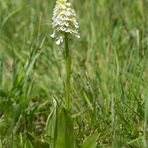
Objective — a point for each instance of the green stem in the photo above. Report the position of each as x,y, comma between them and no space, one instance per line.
1,76
68,68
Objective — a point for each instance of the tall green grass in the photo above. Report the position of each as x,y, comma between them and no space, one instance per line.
109,78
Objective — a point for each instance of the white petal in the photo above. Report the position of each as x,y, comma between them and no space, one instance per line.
78,36
58,42
52,35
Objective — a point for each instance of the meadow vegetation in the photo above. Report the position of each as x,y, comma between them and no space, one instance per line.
109,75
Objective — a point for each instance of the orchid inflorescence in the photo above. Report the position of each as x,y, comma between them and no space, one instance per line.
64,21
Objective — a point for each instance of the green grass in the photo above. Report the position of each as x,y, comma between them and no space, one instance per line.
109,76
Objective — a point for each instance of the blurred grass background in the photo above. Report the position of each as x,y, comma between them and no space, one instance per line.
109,71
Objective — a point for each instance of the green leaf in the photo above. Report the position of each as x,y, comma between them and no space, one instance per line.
59,128
51,125
65,133
28,144
1,144
90,142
